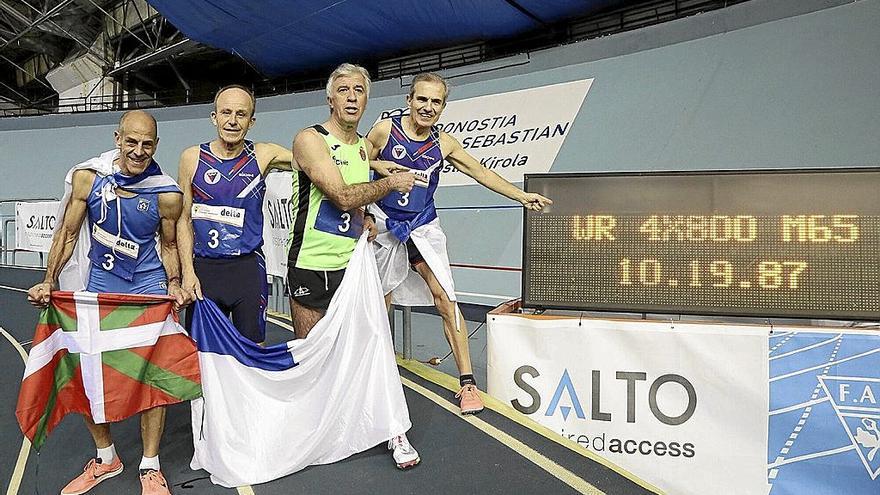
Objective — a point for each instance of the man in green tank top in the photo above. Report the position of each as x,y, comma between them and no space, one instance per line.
330,192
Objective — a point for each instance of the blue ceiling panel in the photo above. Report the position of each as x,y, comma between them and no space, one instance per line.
280,37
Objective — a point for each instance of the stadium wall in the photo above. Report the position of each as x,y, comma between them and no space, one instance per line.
765,83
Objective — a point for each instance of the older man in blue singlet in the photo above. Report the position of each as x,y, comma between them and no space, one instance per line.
127,201
221,226
409,230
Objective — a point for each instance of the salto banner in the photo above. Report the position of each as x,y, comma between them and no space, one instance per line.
682,408
696,409
277,218
34,223
512,133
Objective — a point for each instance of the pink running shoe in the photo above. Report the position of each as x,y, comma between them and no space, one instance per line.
92,474
469,399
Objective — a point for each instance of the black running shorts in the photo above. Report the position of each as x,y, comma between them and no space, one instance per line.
313,288
239,287
413,253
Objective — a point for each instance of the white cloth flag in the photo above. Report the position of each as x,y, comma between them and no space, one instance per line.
304,402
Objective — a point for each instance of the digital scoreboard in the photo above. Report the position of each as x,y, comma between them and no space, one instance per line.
769,243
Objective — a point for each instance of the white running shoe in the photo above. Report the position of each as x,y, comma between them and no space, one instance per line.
405,456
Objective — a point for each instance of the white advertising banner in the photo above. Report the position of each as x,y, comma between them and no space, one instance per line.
683,406
512,133
34,223
277,216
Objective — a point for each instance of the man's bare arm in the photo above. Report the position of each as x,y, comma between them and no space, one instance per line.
378,137
311,153
468,165
271,156
189,160
170,208
64,240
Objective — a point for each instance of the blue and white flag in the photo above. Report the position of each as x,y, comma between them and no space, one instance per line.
269,412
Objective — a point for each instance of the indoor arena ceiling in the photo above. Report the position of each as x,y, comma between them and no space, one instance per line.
180,51
283,36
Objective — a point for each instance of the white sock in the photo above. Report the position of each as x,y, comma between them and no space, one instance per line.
149,463
107,454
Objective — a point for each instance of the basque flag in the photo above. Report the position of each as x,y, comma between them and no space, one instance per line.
107,357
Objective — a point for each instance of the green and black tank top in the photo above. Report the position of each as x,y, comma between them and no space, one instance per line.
323,237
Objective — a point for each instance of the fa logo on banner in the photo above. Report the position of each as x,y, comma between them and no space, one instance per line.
565,385
855,401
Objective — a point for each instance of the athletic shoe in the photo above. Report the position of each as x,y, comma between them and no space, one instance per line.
92,474
405,456
153,483
469,399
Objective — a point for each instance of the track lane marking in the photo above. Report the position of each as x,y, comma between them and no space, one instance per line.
530,454
16,289
21,462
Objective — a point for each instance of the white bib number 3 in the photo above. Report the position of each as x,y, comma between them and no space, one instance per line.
346,222
215,238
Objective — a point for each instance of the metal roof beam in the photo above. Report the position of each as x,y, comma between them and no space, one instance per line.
121,24
14,13
37,22
160,53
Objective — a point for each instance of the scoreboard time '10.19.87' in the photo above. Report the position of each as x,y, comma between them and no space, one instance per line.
798,243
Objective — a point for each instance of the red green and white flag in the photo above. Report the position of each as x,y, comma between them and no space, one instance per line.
107,357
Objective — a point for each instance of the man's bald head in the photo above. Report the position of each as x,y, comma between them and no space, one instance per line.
136,138
139,119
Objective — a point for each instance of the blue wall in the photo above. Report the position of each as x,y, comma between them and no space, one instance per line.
766,83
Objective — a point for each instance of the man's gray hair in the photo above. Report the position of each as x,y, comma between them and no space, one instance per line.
431,77
347,69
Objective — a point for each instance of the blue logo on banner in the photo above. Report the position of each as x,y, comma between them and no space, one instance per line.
824,419
565,385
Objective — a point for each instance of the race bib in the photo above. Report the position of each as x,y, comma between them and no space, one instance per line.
118,256
334,221
413,201
220,214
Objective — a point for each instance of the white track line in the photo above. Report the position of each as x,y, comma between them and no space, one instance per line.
549,466
490,296
812,456
13,288
788,336
786,449
807,348
18,471
799,406
795,373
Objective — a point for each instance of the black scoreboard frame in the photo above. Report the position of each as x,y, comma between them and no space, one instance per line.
623,308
